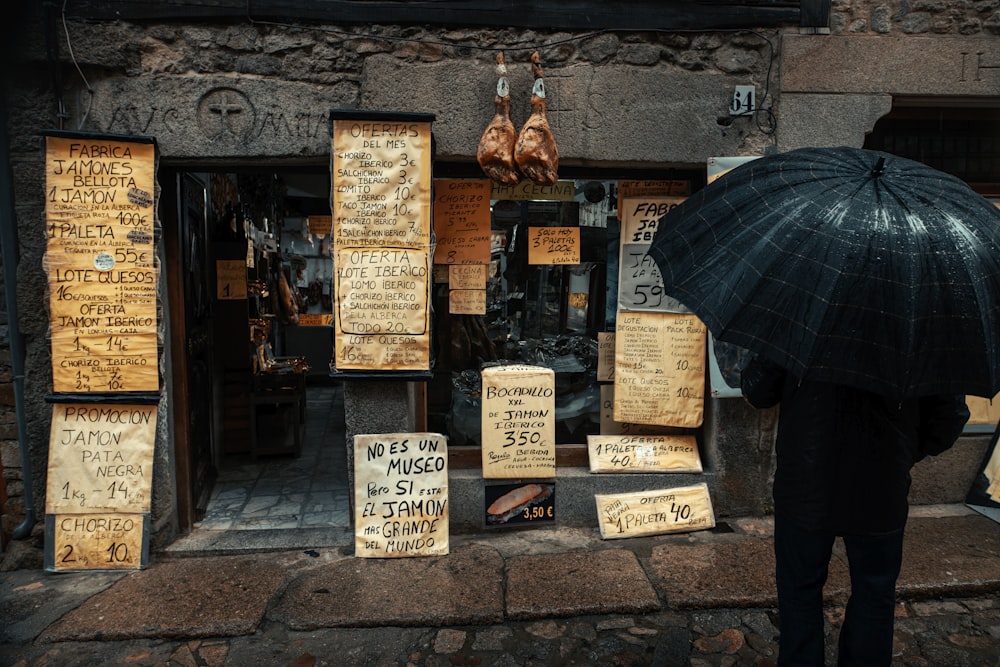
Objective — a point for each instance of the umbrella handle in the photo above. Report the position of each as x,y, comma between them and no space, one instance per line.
879,167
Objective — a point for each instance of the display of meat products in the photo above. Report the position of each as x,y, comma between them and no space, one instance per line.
496,147
289,307
536,154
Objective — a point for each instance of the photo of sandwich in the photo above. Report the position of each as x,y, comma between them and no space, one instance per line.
509,507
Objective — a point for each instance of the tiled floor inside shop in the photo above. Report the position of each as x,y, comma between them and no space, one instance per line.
288,492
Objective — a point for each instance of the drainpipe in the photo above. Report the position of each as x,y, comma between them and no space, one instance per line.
9,249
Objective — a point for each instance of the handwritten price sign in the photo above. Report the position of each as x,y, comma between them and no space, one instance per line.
643,453
518,422
462,221
100,257
655,512
100,458
640,286
553,245
96,542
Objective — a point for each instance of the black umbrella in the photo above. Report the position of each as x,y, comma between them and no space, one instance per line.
844,265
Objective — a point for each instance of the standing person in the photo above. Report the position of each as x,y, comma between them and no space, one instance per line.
843,469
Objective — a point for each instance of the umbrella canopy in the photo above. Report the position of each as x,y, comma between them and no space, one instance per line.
844,265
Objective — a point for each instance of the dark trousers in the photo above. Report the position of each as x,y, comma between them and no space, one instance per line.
802,559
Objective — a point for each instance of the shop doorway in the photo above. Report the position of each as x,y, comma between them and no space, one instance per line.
258,424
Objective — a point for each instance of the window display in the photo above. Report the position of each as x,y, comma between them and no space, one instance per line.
545,292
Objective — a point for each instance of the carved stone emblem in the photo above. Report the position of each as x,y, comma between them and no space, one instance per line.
226,114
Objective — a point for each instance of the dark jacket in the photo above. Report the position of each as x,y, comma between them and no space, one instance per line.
844,454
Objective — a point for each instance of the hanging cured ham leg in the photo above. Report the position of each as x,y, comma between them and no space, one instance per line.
536,154
496,147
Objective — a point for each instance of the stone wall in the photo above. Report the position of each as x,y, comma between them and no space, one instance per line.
916,17
12,499
644,100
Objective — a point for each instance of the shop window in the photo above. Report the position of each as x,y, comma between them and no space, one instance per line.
540,314
543,315
963,141
546,315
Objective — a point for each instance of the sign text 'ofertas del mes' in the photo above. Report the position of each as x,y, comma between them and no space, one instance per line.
400,495
100,216
381,243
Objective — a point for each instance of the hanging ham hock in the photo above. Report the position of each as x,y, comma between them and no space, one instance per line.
496,147
536,154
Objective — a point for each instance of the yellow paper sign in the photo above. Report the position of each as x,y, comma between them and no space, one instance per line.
462,221
660,369
652,189
605,356
382,291
644,513
381,240
983,410
528,191
97,542
400,495
640,286
100,258
467,302
231,279
320,225
381,313
315,319
518,422
992,472
102,362
611,427
644,453
381,183
100,458
467,276
553,245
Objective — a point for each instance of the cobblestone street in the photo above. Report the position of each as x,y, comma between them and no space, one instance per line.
938,633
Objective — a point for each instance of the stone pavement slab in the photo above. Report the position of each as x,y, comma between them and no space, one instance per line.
950,556
607,581
701,575
461,588
30,600
189,598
